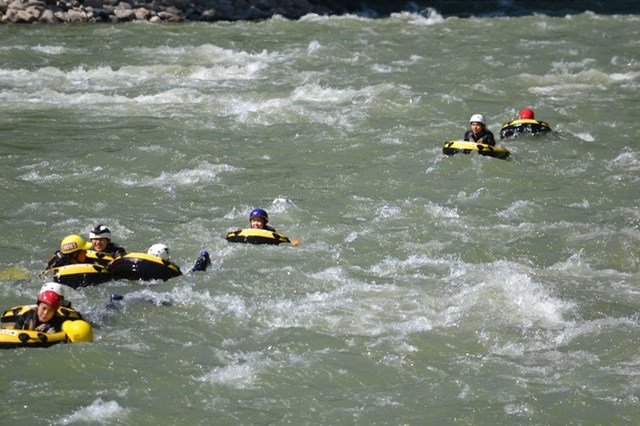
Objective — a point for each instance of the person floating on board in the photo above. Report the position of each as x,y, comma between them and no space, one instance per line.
43,316
10,315
259,232
161,251
73,249
478,132
525,125
100,237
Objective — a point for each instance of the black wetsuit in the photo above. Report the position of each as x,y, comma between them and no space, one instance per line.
114,250
486,137
60,259
107,255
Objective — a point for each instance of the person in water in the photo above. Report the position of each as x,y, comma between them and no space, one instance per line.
100,237
43,316
10,315
161,251
73,249
478,131
526,124
258,219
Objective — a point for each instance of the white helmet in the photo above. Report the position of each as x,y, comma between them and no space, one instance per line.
54,287
477,118
159,250
100,231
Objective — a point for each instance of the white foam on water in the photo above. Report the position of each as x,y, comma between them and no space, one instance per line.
503,293
202,173
247,370
313,47
419,19
98,412
627,160
517,209
205,54
238,375
314,92
330,20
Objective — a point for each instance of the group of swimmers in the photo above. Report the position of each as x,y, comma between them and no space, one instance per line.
525,124
45,315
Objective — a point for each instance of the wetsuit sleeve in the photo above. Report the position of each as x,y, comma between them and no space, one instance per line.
489,139
115,250
58,259
23,322
467,135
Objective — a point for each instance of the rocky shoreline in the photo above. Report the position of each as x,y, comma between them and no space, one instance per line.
116,11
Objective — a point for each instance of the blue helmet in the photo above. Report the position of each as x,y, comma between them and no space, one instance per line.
259,213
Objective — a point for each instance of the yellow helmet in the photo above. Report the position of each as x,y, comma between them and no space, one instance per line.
73,243
78,331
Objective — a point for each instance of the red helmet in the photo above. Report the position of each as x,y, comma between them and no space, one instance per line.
51,298
526,114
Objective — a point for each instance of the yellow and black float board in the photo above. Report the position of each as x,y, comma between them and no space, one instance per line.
10,338
81,275
99,258
142,266
524,127
256,236
466,147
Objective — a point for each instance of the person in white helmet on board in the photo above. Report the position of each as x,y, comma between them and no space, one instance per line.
478,131
100,237
161,251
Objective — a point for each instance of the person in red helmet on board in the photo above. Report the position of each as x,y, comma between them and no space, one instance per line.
44,315
526,124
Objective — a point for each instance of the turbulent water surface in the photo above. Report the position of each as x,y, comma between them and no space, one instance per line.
426,289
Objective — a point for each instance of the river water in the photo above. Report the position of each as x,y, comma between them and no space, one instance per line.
426,289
